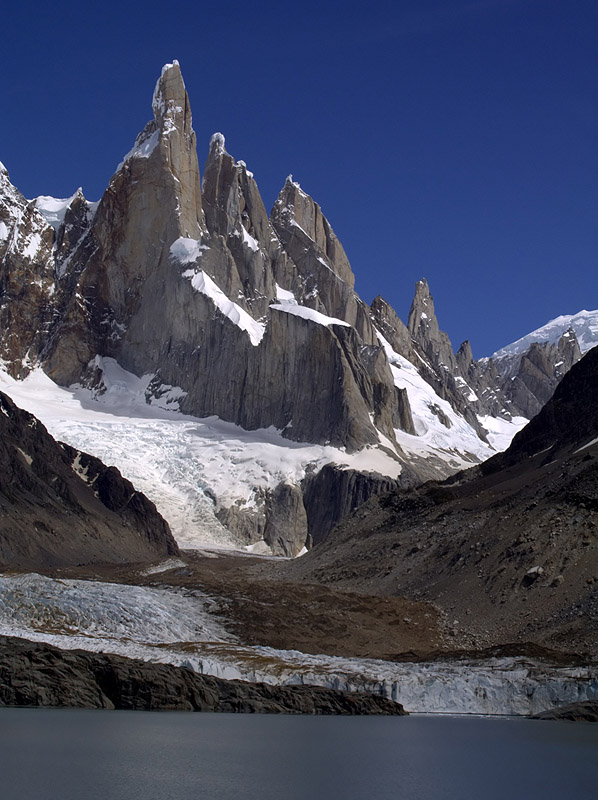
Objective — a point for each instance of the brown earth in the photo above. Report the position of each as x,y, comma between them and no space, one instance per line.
262,609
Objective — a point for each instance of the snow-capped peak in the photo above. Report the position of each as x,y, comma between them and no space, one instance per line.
53,209
584,323
218,142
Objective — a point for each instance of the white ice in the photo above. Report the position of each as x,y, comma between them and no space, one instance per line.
309,314
53,209
186,250
459,445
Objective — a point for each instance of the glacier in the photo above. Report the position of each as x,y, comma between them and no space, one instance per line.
183,628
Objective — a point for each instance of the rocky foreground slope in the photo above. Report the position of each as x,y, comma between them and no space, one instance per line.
508,551
37,674
60,506
225,310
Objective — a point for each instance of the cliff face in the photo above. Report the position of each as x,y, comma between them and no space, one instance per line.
191,296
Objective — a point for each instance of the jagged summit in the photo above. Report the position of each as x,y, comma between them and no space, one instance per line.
296,216
217,144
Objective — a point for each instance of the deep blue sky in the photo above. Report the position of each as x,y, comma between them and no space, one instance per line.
451,139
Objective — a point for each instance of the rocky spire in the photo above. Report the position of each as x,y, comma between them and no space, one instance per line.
423,327
318,272
464,358
26,278
392,328
296,216
178,146
122,267
238,223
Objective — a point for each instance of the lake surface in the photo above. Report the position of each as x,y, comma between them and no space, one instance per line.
48,754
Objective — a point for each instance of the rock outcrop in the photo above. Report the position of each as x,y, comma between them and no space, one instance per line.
37,674
572,712
60,507
507,385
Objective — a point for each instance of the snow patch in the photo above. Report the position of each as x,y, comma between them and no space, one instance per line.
32,246
4,232
243,166
251,243
584,324
218,142
187,250
143,148
53,209
202,282
589,444
459,445
309,313
285,297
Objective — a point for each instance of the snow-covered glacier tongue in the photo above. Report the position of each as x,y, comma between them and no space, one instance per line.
181,627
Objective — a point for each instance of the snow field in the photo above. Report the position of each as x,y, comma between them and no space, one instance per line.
188,467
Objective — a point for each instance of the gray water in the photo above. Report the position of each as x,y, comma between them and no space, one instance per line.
93,755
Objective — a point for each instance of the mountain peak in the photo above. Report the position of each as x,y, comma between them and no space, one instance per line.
297,216
217,144
170,95
422,315
584,324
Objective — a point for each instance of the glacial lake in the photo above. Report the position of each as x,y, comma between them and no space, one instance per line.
48,754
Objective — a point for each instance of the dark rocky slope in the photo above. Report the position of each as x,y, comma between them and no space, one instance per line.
37,674
59,506
508,551
573,712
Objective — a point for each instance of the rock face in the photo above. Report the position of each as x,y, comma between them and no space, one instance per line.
61,507
36,674
568,421
332,494
529,379
509,384
168,290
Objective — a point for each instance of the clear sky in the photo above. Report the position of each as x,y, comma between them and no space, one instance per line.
451,139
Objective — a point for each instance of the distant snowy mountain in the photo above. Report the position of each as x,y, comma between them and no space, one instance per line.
584,324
